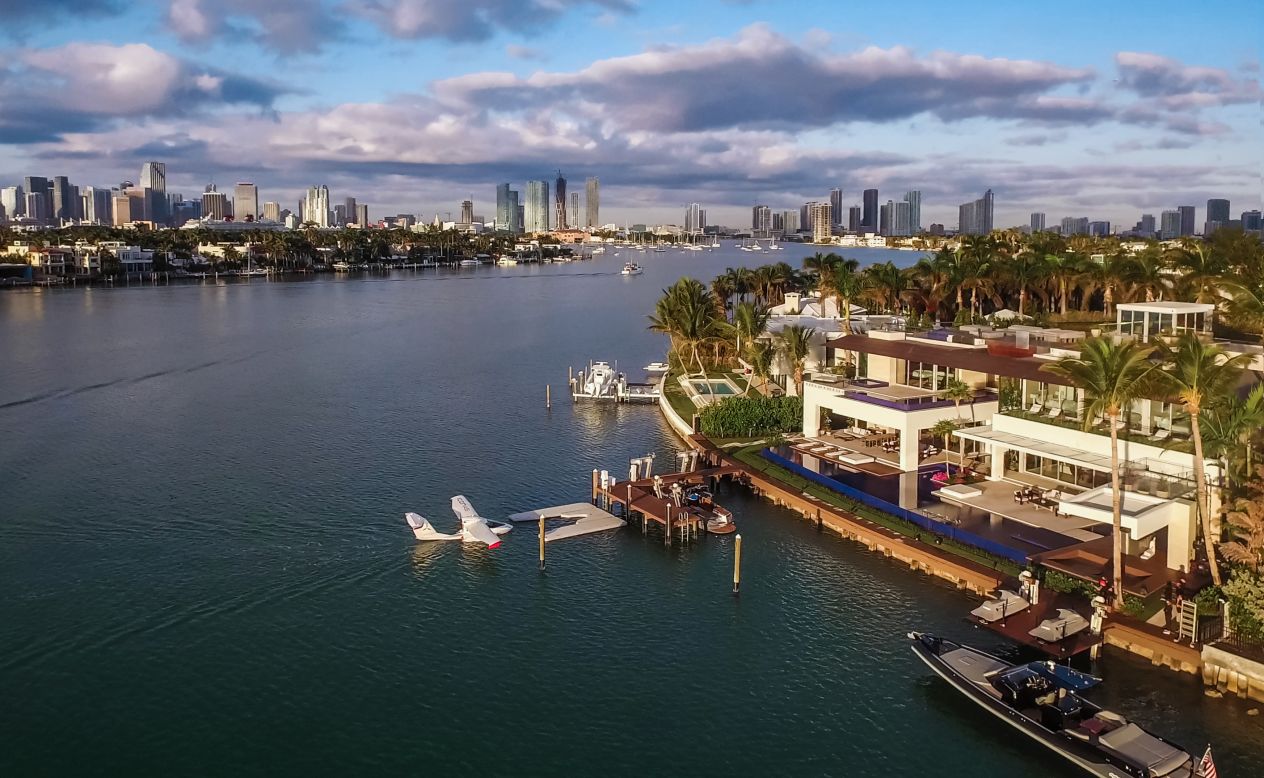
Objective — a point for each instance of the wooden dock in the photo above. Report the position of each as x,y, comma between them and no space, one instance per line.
1018,626
637,500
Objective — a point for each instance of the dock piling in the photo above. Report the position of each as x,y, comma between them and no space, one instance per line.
541,542
548,396
737,564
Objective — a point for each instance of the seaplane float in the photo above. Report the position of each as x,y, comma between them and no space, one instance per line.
474,528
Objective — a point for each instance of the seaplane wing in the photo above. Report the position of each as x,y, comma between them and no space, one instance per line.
475,530
422,530
463,509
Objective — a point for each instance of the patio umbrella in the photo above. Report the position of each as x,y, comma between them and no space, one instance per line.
1008,315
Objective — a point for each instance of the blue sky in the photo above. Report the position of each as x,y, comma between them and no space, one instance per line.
1104,110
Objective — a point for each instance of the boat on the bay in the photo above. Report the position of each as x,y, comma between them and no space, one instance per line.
699,501
632,269
598,382
469,262
1041,700
657,367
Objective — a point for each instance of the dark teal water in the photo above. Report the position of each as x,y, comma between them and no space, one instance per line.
205,570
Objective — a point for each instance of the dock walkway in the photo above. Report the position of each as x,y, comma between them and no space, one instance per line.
638,497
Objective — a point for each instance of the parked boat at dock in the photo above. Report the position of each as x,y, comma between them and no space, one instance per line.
1041,700
632,269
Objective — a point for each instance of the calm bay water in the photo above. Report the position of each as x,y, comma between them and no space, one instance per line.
205,568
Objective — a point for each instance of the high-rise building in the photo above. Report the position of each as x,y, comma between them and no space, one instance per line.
214,204
536,208
1075,225
272,211
315,206
184,211
836,206
37,206
522,215
1037,222
805,216
1251,221
790,223
1146,226
467,212
914,200
39,187
695,218
761,221
13,198
975,218
854,218
97,205
869,217
1217,215
559,195
503,217
352,210
778,223
340,215
1187,219
245,202
885,217
65,199
1099,229
153,175
1169,225
362,214
122,208
574,211
592,203
822,223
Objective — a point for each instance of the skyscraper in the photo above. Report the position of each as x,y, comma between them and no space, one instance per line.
467,212
1037,222
214,204
836,206
503,218
869,217
315,206
362,214
1075,225
37,186
695,218
13,199
574,211
914,200
592,203
822,223
559,194
790,223
885,217
1099,229
353,211
1251,221
65,199
153,175
536,208
245,202
975,218
761,221
854,218
1217,215
272,211
1146,225
1169,225
96,205
1187,219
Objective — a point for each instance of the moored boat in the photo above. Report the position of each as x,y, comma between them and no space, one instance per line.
1041,700
631,269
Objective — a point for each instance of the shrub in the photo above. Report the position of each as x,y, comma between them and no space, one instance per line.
1246,604
1061,582
739,417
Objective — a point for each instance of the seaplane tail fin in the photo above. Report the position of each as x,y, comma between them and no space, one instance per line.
463,509
416,521
422,530
477,531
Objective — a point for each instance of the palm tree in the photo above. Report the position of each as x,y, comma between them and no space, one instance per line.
1146,273
844,284
1200,375
761,357
1229,432
794,342
1245,307
930,284
978,253
750,321
1026,270
685,314
944,428
1111,375
1199,269
1063,269
886,285
958,391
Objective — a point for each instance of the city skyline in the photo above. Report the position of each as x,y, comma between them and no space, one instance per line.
1079,122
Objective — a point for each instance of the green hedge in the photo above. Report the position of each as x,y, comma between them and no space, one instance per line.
736,417
1068,584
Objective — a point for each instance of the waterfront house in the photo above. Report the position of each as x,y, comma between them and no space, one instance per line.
1024,428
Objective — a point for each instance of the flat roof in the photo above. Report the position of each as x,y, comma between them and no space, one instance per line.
977,360
1168,307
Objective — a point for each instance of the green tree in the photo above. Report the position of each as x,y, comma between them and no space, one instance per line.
944,429
794,343
958,391
1110,375
1200,375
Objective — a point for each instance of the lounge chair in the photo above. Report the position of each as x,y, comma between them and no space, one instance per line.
1055,413
1035,408
1161,435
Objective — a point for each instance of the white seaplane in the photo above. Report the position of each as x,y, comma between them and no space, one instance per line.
474,528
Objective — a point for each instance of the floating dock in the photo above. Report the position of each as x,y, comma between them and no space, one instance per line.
580,518
633,498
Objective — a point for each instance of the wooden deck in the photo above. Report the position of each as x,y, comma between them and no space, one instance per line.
1017,627
637,498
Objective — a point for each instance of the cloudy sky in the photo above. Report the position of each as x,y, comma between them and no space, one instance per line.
1100,109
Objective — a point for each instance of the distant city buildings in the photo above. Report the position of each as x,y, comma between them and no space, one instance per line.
1187,219
836,206
559,193
695,218
790,223
1037,222
855,217
214,204
822,222
314,208
1074,225
1217,215
536,208
592,203
761,221
975,218
869,215
245,202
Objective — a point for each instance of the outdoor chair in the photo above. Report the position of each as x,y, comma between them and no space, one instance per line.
1055,413
1161,434
1036,408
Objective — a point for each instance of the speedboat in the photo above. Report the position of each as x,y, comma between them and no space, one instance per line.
631,269
1005,604
657,367
699,501
1060,627
1041,700
469,262
474,528
599,382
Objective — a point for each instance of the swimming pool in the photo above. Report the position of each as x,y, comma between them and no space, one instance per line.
718,387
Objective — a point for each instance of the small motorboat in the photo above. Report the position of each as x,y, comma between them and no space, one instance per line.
1042,700
631,269
657,367
1060,627
721,522
469,262
699,501
1005,604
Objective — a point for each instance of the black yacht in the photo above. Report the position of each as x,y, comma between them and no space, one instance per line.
1040,699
